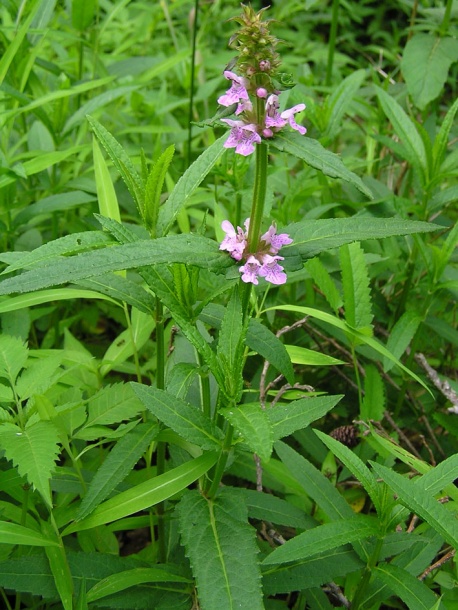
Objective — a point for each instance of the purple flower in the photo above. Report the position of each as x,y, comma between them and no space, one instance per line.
271,270
237,92
242,137
250,270
279,120
274,241
235,241
289,116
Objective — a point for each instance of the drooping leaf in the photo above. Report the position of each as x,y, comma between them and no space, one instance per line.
318,157
146,494
33,451
356,291
253,424
117,465
324,538
222,550
186,420
425,64
263,341
192,249
296,415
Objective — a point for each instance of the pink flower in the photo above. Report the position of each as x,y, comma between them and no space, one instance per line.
237,92
271,270
275,241
242,137
250,270
235,241
277,120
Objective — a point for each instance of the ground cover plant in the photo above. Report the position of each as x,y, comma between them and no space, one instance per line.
228,285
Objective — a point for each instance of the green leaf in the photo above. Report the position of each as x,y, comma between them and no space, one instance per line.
123,290
302,355
318,157
440,477
33,451
356,291
106,194
13,356
121,161
59,567
253,424
414,593
180,378
194,249
187,184
222,550
405,130
373,405
287,418
10,533
131,578
324,538
314,482
314,236
411,494
266,507
400,337
153,189
146,494
53,203
324,282
356,466
312,572
339,101
83,14
230,346
440,143
117,465
112,404
425,64
263,341
187,421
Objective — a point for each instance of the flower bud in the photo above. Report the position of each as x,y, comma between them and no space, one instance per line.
261,92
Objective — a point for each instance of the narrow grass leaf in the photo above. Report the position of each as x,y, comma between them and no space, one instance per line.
302,355
146,494
340,100
263,341
106,194
356,466
423,504
10,533
117,465
296,415
222,549
400,337
413,592
318,157
187,421
131,578
323,538
253,424
60,569
153,189
325,283
373,404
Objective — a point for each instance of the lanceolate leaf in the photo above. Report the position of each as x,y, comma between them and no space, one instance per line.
260,339
222,549
153,189
287,418
339,101
404,585
253,424
311,237
324,538
187,184
318,157
192,249
10,533
117,465
423,504
231,345
355,281
146,494
186,420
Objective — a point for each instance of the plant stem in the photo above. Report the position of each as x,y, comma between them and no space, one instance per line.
446,20
259,196
160,452
222,461
332,40
361,590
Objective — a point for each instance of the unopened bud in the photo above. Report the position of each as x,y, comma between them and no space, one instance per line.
267,133
264,65
261,92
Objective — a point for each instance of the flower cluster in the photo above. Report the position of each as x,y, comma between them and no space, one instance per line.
254,94
264,262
